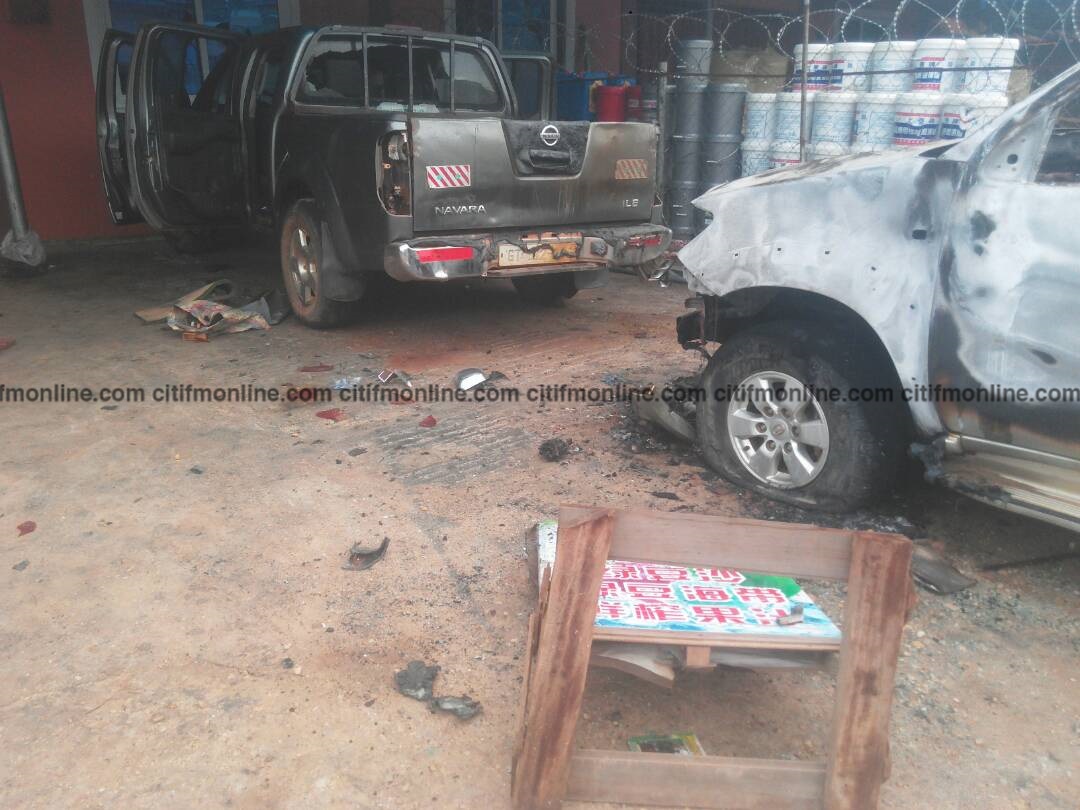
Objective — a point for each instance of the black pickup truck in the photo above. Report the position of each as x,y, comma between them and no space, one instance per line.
371,150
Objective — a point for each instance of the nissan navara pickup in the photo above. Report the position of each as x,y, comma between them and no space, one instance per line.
371,150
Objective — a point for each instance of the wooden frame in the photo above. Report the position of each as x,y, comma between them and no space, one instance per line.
546,768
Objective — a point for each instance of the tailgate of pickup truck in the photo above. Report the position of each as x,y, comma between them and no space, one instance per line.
485,173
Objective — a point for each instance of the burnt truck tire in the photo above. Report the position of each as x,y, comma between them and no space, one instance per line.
546,290
302,269
826,453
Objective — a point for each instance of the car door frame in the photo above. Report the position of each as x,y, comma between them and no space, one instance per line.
112,131
1004,152
143,142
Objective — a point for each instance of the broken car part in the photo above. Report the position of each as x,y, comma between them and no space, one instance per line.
463,707
417,680
361,558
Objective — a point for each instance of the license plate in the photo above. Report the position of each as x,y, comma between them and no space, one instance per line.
560,248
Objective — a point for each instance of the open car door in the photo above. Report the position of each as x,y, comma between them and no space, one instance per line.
112,84
532,77
184,147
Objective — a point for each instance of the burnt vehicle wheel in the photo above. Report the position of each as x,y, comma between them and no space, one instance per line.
546,289
762,428
301,267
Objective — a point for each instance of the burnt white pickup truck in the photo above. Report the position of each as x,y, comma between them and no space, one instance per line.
371,150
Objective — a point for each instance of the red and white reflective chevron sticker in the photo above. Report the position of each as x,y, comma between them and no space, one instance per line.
458,175
631,169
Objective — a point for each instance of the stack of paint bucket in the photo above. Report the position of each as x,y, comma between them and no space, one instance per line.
982,93
759,127
692,82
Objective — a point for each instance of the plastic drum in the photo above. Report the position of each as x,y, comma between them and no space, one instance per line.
834,117
849,59
918,119
784,153
891,56
759,119
788,115
755,157
963,113
819,66
933,63
875,122
987,53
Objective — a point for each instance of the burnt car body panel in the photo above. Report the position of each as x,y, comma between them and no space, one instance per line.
255,137
962,259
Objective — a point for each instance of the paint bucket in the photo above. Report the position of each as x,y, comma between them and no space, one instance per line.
686,158
690,107
755,157
721,160
783,154
933,63
834,117
963,113
759,121
788,111
875,122
849,59
918,119
693,60
682,209
826,149
987,53
819,67
888,56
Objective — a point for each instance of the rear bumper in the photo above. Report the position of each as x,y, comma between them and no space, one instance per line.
474,255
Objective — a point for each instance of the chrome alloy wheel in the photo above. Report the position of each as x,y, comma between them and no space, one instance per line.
303,265
778,430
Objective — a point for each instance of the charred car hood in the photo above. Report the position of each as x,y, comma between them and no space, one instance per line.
864,230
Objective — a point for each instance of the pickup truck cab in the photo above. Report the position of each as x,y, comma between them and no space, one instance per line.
370,150
911,300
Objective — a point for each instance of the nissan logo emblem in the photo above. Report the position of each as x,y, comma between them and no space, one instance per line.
550,135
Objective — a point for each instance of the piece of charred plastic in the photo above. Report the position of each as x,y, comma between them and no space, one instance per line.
361,558
463,707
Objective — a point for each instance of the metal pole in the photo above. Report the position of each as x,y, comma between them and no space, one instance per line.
9,172
804,125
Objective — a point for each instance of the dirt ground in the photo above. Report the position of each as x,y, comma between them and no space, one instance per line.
178,630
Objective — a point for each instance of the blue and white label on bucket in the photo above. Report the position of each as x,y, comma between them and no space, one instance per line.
915,129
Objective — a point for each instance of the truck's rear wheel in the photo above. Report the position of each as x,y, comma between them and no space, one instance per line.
301,267
547,289
766,431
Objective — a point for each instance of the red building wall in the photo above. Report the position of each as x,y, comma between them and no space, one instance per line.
49,92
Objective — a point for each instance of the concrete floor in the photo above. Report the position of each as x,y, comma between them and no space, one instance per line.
180,638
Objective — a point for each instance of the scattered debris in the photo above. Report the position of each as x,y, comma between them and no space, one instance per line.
347,383
668,496
108,407
395,375
315,368
463,707
657,412
469,378
796,616
554,449
195,337
935,574
358,451
684,744
218,291
361,558
287,663
333,414
6,343
417,680
428,421
20,566
26,527
210,317
1047,558
196,470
